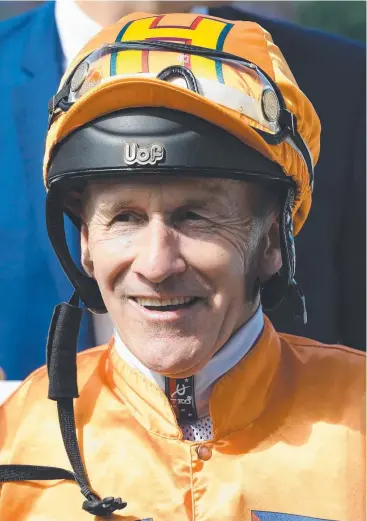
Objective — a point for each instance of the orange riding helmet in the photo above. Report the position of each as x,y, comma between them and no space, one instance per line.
228,74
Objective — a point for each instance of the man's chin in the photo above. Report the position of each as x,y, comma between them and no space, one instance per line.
181,368
168,351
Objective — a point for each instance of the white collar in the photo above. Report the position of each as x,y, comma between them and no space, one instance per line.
240,6
227,357
75,28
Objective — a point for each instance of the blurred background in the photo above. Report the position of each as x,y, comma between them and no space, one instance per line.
346,18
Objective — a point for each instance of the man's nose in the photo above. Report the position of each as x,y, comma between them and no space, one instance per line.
159,254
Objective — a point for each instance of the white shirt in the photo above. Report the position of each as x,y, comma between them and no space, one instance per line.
75,28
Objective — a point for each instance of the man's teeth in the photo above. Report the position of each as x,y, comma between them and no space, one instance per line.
154,302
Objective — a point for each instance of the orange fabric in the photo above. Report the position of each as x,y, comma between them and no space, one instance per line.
245,39
288,437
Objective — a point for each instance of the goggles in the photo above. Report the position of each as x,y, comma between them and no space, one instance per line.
220,77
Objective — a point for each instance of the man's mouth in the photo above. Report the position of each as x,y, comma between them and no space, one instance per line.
172,304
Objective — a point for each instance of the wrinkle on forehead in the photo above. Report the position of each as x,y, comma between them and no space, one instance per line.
151,181
148,191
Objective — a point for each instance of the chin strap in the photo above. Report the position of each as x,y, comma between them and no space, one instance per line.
61,366
297,298
282,286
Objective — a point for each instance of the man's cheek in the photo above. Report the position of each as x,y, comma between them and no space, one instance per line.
106,265
107,253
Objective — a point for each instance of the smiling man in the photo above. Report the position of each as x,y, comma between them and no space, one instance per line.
188,170
168,255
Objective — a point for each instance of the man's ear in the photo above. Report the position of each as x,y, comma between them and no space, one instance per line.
86,257
270,256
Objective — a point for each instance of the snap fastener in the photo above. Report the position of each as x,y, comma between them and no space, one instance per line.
79,76
204,452
270,105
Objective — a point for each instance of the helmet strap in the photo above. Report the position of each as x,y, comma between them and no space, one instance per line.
62,372
282,285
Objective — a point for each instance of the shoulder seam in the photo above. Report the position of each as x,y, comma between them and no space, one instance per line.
345,349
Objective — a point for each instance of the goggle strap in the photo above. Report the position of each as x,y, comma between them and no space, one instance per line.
56,102
290,130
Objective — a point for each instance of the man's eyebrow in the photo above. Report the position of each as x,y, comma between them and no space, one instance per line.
108,208
113,207
199,203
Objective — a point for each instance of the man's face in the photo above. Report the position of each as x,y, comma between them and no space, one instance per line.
176,261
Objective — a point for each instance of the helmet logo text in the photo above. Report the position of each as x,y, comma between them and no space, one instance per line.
141,155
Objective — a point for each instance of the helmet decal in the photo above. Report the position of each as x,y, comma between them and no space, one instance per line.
202,31
134,154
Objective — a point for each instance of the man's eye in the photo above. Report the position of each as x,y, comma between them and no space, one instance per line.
128,217
192,216
191,221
